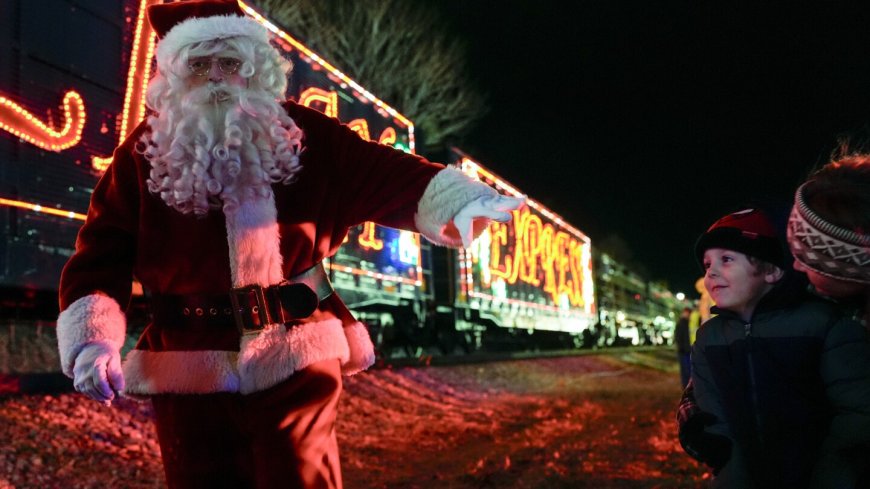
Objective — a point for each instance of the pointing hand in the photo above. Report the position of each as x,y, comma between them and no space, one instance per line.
495,208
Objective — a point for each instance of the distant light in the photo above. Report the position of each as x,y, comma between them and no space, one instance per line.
681,296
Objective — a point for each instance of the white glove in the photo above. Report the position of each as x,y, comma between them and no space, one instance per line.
97,372
492,208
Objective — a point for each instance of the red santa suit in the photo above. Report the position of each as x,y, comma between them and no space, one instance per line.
267,238
129,232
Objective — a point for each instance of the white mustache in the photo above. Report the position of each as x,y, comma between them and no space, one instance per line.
212,93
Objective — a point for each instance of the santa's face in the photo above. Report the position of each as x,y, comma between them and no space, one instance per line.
219,70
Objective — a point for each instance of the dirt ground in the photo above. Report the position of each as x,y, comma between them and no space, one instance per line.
602,421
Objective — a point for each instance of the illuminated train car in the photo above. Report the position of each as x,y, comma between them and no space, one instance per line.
72,82
61,96
525,284
73,87
664,310
632,310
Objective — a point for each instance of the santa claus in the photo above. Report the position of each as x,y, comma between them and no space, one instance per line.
223,204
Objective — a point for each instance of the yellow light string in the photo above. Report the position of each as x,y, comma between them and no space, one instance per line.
38,208
381,276
21,123
138,75
335,71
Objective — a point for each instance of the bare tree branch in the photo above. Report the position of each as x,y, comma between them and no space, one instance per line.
396,49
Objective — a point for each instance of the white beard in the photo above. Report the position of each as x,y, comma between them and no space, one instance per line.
215,146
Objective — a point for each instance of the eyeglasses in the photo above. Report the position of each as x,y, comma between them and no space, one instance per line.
201,66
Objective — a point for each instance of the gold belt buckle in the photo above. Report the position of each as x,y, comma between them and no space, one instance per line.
258,306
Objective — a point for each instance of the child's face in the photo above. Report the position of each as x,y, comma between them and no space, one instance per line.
830,287
735,283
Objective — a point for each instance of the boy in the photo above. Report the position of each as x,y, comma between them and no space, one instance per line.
785,378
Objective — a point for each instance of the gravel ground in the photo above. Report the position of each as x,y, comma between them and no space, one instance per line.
602,421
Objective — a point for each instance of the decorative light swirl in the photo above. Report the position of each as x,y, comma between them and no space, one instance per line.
21,123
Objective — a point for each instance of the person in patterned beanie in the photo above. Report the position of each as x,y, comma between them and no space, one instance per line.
829,231
829,236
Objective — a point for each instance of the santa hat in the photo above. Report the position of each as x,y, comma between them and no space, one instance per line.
749,231
179,24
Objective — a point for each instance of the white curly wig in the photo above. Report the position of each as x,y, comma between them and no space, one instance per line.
212,146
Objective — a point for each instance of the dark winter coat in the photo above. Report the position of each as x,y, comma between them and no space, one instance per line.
790,389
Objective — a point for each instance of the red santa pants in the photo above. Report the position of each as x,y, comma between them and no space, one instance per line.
282,437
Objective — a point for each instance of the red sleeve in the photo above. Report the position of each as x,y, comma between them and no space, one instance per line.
373,182
106,244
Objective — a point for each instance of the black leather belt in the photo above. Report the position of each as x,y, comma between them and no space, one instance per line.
248,308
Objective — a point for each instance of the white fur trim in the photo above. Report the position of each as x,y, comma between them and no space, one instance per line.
91,318
200,29
254,242
187,372
362,351
447,193
265,360
275,354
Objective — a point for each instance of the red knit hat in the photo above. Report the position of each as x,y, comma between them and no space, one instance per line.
749,231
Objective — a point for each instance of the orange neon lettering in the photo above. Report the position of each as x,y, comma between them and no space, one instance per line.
513,262
532,242
576,266
367,238
550,260
562,257
21,123
535,245
388,137
498,237
518,248
361,127
314,95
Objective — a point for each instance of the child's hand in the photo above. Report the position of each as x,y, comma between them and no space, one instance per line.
709,448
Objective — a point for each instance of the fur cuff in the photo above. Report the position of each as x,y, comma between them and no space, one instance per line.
94,317
447,193
362,351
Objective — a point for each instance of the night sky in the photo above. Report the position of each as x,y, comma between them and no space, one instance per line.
649,120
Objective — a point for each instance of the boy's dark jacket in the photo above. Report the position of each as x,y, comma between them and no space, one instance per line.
790,389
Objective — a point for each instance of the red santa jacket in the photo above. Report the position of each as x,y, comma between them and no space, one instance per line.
130,232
